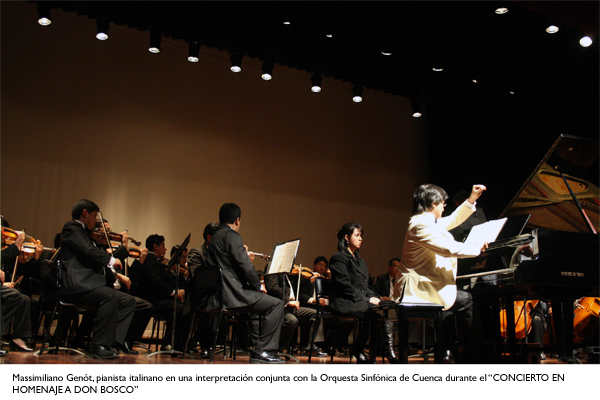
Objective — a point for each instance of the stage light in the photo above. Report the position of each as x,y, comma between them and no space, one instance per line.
236,62
155,39
585,41
416,109
357,93
386,54
552,29
287,23
44,14
102,29
329,35
316,82
501,10
438,69
267,71
194,52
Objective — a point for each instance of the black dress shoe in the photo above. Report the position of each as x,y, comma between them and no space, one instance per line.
264,357
448,358
204,353
105,352
361,358
316,352
15,347
126,348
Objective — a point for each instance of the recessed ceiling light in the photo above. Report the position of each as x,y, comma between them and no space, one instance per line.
474,80
329,35
438,69
511,92
417,115
585,41
501,10
287,23
552,29
386,54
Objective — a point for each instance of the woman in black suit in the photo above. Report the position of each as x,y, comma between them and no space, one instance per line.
350,292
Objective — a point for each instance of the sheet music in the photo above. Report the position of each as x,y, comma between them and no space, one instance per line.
283,257
486,232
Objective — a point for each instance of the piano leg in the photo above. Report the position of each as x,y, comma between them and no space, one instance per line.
510,329
562,313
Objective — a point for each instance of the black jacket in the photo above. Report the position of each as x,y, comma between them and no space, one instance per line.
350,292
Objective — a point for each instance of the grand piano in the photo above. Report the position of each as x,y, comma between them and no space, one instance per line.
556,257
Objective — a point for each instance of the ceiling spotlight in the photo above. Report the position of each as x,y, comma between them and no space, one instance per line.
511,92
102,29
585,41
329,35
357,93
474,80
438,69
44,14
236,62
552,29
287,23
267,71
155,39
316,82
501,10
194,52
386,54
416,109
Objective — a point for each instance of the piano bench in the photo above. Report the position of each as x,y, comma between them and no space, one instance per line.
419,312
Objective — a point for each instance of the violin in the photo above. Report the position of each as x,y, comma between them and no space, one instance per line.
9,236
585,320
306,272
520,309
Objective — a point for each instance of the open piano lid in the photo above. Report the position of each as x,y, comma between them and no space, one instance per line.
545,195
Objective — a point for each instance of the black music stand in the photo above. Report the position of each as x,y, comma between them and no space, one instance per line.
173,261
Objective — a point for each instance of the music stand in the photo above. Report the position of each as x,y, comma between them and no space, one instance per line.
175,259
282,263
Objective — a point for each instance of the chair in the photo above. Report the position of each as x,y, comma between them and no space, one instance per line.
419,312
156,321
63,309
323,315
211,282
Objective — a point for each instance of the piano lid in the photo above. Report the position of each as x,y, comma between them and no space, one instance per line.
545,195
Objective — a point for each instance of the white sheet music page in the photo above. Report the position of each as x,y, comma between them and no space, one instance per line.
283,257
486,232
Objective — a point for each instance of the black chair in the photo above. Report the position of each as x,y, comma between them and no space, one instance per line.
419,312
209,282
323,315
64,311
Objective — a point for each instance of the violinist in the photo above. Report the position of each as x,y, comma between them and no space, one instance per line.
283,287
158,286
14,305
119,281
84,281
196,261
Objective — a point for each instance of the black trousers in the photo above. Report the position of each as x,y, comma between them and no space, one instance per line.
461,313
182,322
114,314
301,316
15,305
272,310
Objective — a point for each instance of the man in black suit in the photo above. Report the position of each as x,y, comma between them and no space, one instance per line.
158,286
84,282
384,285
241,286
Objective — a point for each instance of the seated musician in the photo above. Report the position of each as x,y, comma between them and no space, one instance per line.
159,286
285,288
350,293
196,261
241,290
14,305
84,281
428,265
118,281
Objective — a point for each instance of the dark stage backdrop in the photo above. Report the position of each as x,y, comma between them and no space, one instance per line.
160,143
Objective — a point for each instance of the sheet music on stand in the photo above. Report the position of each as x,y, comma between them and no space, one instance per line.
284,254
486,232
